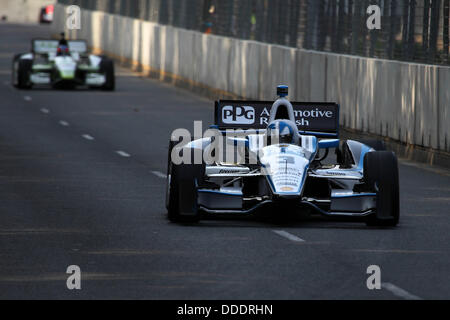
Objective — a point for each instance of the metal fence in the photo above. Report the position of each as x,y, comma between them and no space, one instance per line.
411,30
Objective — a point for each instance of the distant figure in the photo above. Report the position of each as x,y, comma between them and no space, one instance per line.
208,29
4,18
63,40
63,46
208,24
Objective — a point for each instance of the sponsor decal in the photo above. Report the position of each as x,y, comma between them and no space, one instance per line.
229,171
332,173
256,115
303,118
238,115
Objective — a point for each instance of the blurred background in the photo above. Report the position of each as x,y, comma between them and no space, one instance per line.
412,30
26,11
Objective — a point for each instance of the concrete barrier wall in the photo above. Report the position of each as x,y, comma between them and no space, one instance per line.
404,101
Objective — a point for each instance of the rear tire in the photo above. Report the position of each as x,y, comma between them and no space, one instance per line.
22,72
381,175
182,183
107,68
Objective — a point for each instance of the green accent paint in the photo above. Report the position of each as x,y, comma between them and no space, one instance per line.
67,74
88,68
42,67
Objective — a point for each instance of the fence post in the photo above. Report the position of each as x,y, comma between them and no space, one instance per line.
294,21
446,16
356,27
426,25
434,29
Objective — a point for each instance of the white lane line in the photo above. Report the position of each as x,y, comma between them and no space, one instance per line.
159,174
288,235
399,292
64,123
44,110
88,137
27,98
123,154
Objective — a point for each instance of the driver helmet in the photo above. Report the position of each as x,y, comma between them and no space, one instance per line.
282,132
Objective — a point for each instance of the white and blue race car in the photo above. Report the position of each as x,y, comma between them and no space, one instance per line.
279,165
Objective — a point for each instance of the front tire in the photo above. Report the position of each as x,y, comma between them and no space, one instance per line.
381,175
21,73
181,197
14,71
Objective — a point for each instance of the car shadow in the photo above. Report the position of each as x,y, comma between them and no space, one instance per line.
302,221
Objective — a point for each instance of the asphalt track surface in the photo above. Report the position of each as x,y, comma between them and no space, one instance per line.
81,183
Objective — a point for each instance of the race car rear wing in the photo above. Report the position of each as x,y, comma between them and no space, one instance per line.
312,118
45,46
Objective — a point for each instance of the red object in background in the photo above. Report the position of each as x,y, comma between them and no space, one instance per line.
46,14
49,9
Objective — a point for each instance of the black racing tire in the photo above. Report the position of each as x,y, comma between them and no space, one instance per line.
169,172
381,175
22,72
14,73
181,197
107,68
377,145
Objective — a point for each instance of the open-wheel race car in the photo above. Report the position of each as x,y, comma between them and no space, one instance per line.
62,64
281,163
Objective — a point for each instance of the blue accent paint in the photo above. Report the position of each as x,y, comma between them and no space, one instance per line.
315,207
269,178
355,195
220,192
282,91
319,134
326,144
365,149
305,133
214,126
305,172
